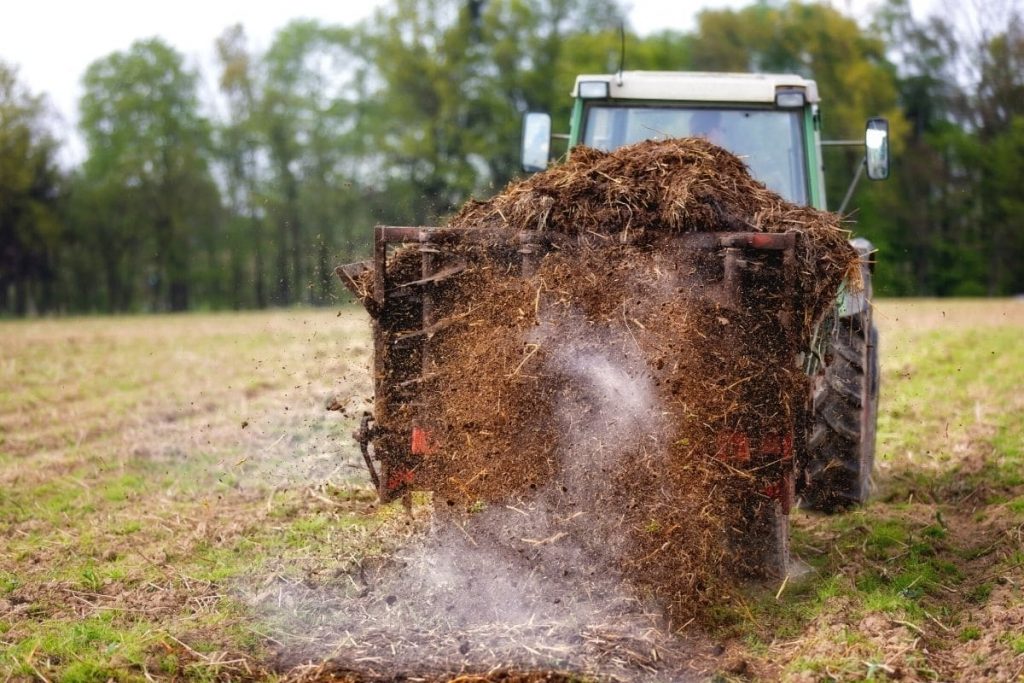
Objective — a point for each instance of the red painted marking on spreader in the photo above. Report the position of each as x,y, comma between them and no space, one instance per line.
421,442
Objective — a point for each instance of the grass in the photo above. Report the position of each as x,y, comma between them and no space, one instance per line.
918,578
133,501
156,473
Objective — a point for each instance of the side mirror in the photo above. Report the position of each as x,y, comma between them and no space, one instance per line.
536,144
876,143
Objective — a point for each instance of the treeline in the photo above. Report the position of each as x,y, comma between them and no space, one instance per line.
244,188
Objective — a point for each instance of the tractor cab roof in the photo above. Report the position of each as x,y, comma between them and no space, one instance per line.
697,86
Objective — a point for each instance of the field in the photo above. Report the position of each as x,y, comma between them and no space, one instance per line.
173,490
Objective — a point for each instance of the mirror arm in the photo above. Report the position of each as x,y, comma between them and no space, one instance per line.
842,143
853,185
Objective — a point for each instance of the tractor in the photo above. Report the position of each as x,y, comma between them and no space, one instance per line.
773,123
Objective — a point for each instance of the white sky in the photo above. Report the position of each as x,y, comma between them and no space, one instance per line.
53,41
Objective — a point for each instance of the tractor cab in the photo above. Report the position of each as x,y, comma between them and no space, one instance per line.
771,121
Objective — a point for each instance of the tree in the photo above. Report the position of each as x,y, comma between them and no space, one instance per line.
537,49
924,199
999,107
854,78
238,150
401,118
30,184
430,102
147,146
310,111
962,90
448,83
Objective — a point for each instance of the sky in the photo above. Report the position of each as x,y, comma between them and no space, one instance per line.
52,42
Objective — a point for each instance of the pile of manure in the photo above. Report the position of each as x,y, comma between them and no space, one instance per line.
640,426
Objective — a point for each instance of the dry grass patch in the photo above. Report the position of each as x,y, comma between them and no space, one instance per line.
913,586
149,465
144,531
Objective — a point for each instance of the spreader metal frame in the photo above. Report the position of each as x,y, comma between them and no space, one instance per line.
403,315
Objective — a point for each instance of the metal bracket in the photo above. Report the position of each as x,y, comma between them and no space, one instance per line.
363,436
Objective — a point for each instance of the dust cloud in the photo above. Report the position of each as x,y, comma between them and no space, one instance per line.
529,584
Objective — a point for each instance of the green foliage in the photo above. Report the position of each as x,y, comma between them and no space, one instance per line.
948,215
30,229
148,206
307,113
818,41
452,80
8,582
401,118
980,593
95,648
969,633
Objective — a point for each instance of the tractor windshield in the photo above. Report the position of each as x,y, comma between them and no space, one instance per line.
770,141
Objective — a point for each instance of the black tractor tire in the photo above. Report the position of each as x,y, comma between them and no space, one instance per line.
841,443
